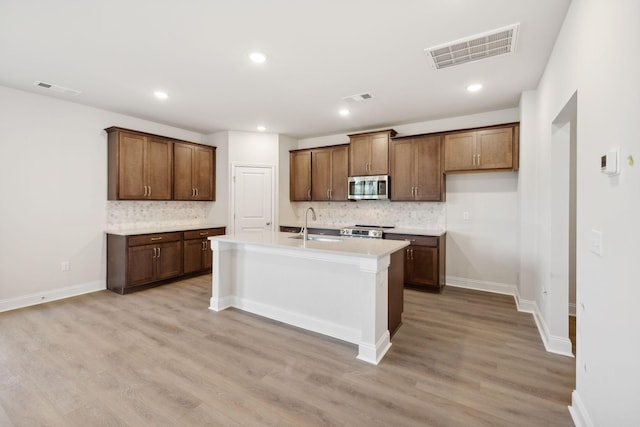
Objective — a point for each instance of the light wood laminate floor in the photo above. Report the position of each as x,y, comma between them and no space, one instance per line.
161,358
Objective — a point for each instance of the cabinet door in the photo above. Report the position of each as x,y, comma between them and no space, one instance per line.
402,169
339,173
169,260
300,176
320,174
207,256
192,255
159,168
131,160
494,148
359,155
183,186
429,178
459,151
379,162
140,265
204,173
423,266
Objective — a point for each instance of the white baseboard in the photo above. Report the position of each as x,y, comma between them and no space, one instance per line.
552,343
479,285
579,412
48,296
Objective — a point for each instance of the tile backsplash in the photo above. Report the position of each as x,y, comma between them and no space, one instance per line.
141,214
424,215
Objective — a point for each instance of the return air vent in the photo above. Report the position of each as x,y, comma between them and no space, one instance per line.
474,48
359,97
57,88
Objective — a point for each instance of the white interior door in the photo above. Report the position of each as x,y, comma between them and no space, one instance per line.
253,198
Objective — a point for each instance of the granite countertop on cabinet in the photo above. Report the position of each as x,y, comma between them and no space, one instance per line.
162,229
416,231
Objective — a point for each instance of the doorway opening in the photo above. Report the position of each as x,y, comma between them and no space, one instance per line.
563,219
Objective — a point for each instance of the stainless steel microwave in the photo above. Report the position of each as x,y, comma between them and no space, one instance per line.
369,187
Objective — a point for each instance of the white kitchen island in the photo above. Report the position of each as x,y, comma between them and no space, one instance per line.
337,288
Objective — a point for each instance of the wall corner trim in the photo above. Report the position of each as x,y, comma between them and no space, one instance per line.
579,412
53,295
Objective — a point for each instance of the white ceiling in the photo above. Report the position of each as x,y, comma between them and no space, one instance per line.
118,52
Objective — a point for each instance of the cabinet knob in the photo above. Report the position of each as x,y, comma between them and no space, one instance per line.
269,223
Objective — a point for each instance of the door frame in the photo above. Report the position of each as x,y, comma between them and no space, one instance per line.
232,192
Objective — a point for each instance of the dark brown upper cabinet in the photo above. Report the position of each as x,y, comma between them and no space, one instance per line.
300,175
144,166
486,149
329,173
416,169
194,172
369,153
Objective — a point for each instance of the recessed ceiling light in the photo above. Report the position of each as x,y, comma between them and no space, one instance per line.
261,128
258,57
344,112
474,87
160,95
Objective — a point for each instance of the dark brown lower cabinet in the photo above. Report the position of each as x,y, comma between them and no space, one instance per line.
197,251
424,261
140,261
395,281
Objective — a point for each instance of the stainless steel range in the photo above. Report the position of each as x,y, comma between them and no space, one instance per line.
368,231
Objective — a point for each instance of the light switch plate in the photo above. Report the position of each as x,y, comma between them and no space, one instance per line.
595,243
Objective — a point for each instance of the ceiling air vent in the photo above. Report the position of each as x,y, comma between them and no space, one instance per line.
57,88
358,98
481,46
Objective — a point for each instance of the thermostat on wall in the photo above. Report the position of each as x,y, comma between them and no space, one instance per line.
609,163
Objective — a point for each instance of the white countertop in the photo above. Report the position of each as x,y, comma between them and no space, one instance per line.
162,229
344,245
400,230
416,231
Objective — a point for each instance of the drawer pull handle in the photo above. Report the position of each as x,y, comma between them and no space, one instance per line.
204,233
410,240
153,239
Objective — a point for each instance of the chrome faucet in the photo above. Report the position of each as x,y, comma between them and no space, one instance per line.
305,232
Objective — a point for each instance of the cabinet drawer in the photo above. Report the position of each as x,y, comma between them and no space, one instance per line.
199,234
430,241
147,239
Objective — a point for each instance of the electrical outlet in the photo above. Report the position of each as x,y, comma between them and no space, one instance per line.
465,216
65,266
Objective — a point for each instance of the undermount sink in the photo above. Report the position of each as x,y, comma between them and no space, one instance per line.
317,238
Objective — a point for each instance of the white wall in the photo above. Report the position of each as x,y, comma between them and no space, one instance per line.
53,184
595,55
482,251
287,213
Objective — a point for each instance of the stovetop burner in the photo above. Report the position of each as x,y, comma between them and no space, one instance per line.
359,230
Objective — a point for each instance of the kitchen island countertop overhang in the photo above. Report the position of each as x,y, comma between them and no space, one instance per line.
337,288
